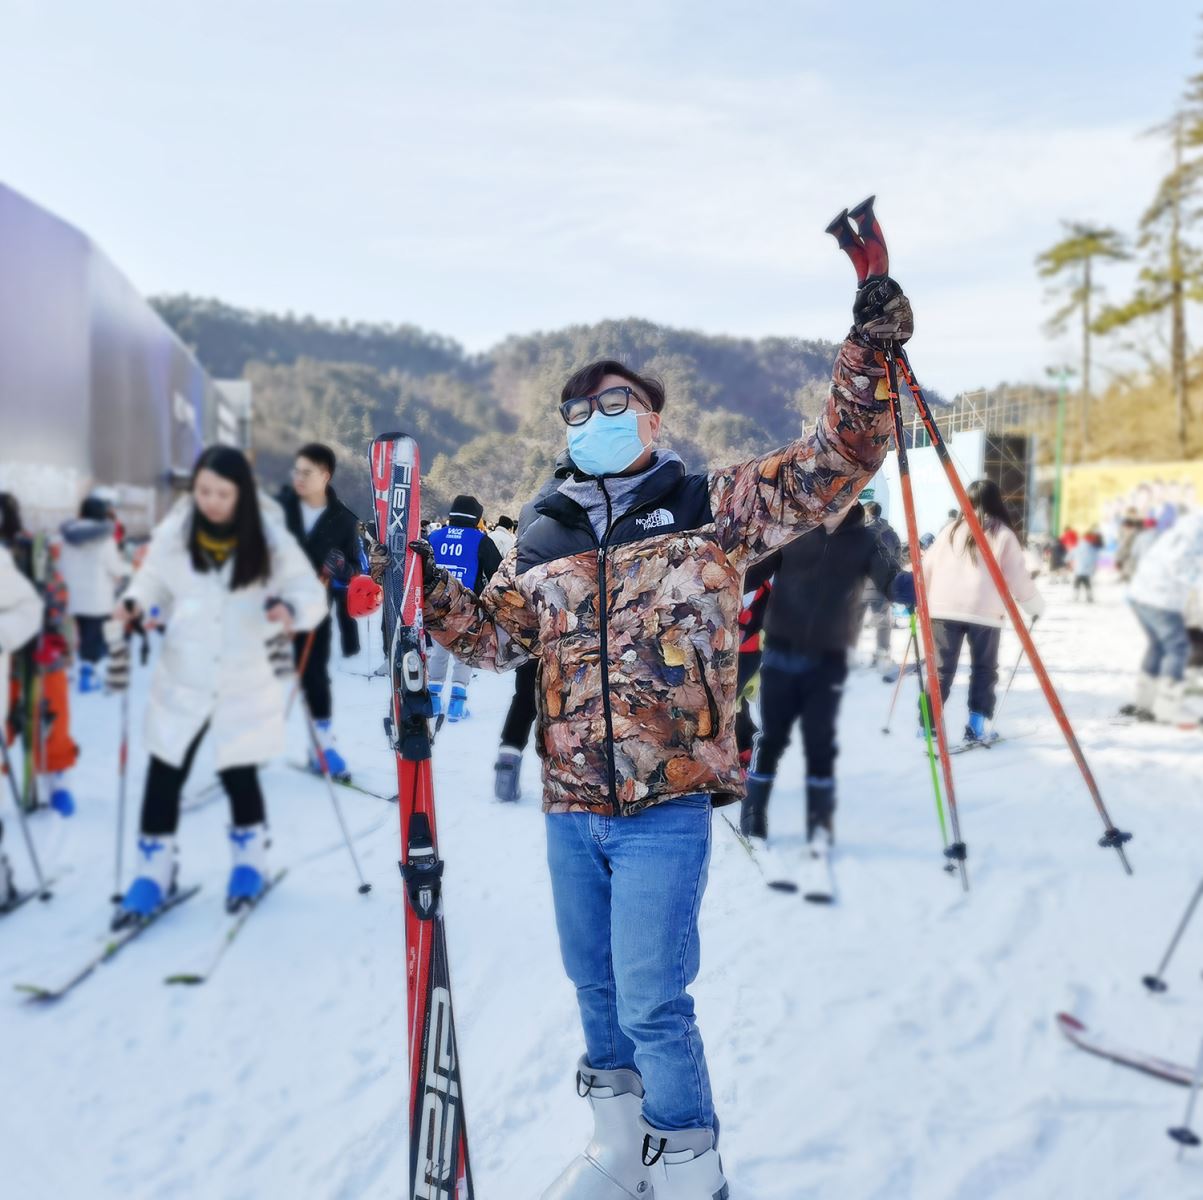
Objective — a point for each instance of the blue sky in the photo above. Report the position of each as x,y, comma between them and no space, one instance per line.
483,169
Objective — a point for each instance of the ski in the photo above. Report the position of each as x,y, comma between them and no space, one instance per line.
438,1137
344,781
116,943
227,938
776,878
22,898
1148,1064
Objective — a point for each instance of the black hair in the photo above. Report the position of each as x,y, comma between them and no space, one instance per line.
505,522
585,382
10,524
872,510
319,454
252,559
987,499
94,508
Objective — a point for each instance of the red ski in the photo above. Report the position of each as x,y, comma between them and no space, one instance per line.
438,1137
1138,1060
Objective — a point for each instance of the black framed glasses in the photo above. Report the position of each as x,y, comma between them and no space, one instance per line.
609,403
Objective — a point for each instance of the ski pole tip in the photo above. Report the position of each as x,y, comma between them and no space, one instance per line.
364,888
1155,984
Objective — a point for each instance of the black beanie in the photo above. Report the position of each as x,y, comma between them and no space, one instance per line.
466,508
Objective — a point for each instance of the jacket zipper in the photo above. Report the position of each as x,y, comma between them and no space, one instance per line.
604,620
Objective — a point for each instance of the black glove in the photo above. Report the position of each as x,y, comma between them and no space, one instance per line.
881,313
432,573
902,590
335,567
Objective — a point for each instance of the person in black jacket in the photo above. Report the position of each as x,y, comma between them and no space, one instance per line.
814,603
329,534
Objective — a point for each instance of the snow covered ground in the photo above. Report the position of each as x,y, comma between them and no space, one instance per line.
898,1045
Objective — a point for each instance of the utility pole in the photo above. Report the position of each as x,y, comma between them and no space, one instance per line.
1061,374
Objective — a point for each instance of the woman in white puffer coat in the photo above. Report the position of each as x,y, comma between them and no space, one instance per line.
227,577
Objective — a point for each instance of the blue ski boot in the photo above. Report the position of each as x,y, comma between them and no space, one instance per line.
248,874
457,710
154,882
89,679
436,701
61,799
335,763
976,730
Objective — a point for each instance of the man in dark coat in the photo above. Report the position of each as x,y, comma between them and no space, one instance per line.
329,534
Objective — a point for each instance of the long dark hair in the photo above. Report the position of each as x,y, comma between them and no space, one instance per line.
10,520
252,559
991,509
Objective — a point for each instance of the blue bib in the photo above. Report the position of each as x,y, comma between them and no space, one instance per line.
455,548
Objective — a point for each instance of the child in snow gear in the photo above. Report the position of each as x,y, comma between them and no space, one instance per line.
470,556
20,620
627,590
965,605
92,568
212,563
1084,560
813,612
328,532
1166,576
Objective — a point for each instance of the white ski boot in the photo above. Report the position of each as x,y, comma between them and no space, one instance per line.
1142,705
154,882
1169,707
683,1164
610,1167
248,870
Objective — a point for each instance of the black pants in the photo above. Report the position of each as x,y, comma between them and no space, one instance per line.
92,646
164,783
795,687
983,660
518,721
1082,583
315,679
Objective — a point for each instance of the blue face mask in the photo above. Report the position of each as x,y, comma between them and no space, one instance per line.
606,445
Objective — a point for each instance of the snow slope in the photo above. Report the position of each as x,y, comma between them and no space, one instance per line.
899,1045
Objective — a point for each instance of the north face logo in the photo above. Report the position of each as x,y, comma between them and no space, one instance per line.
660,519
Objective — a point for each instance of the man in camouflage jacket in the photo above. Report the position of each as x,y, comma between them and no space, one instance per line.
626,591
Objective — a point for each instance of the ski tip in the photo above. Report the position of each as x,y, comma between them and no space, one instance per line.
783,885
185,979
1069,1023
364,888
33,992
1155,984
819,898
1183,1135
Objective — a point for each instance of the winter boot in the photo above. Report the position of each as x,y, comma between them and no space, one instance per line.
457,710
436,701
335,763
683,1164
610,1166
1146,692
61,800
976,730
753,812
505,774
1169,706
89,678
155,880
248,873
820,806
8,884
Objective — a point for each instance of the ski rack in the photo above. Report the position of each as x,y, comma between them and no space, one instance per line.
866,247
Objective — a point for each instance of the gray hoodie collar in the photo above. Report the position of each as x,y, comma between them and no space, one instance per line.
621,490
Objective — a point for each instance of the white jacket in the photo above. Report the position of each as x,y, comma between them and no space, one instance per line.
959,588
503,539
1172,567
91,567
20,619
214,665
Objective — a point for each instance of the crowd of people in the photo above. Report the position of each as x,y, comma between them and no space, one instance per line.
731,608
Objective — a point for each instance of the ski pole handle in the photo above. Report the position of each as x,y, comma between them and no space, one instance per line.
869,229
846,238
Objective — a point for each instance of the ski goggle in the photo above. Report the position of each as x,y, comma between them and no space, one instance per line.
609,403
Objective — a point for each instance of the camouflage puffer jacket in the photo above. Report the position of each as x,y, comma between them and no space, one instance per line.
637,635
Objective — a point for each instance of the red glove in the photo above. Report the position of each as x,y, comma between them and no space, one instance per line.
364,597
50,650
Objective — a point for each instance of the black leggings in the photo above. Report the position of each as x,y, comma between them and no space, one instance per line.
316,678
521,716
90,630
164,783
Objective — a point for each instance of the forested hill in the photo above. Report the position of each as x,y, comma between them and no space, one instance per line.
486,423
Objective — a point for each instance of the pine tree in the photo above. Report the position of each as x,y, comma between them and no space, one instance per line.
1074,256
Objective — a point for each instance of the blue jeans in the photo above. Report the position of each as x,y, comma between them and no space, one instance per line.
627,891
1169,643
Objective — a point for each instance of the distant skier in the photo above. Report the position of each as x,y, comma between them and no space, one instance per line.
504,535
54,751
1084,561
93,569
876,604
20,620
462,548
1168,572
232,577
965,605
812,611
627,591
329,534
